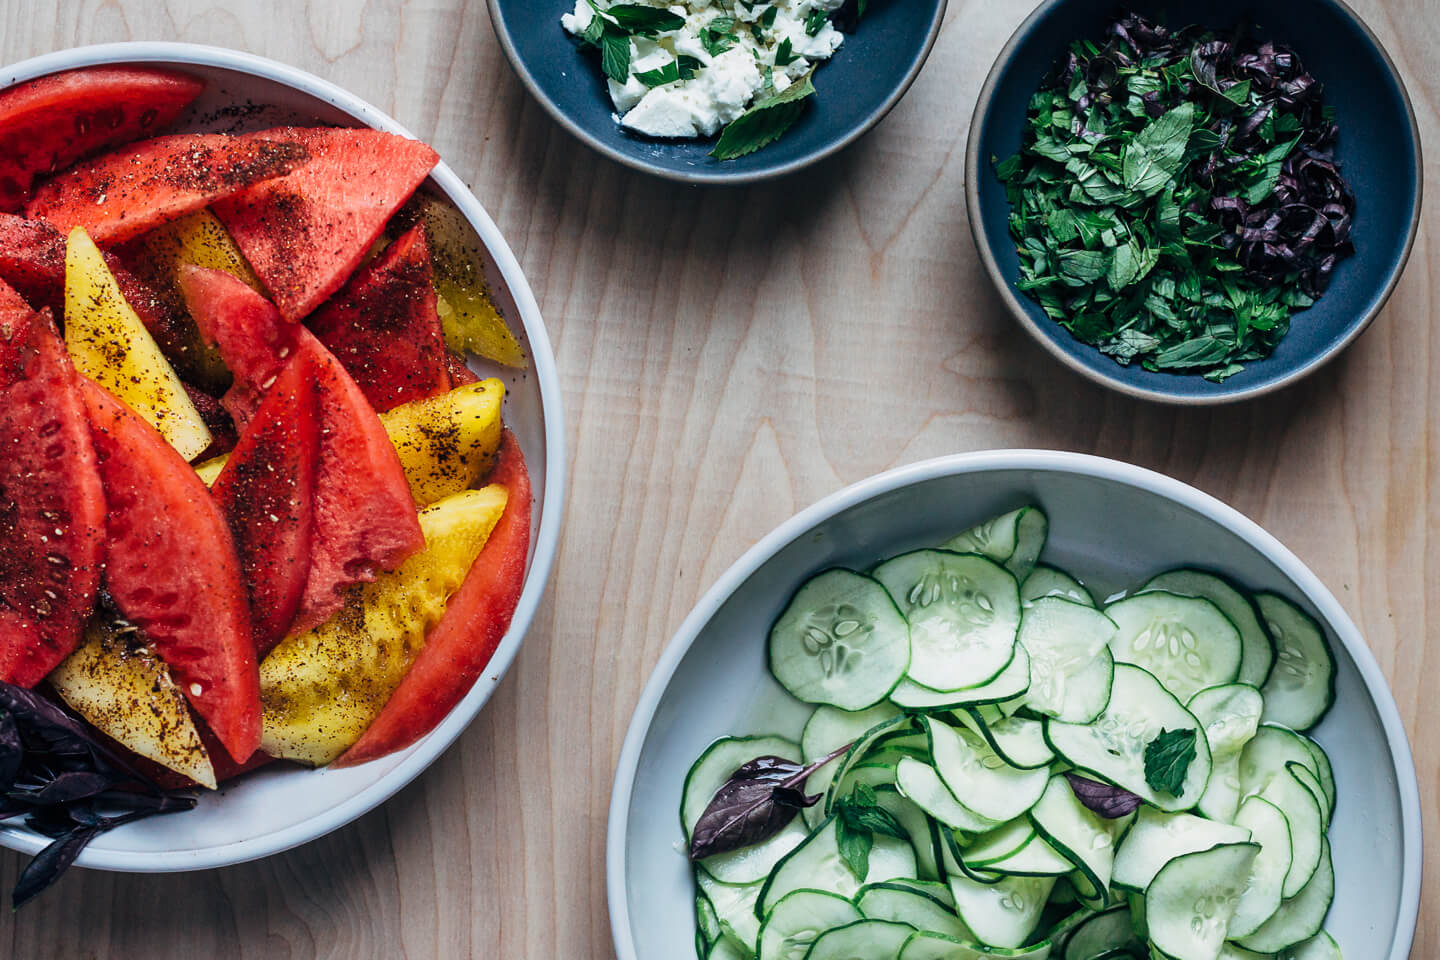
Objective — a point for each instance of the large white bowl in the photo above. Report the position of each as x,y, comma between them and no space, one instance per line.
277,808
1110,522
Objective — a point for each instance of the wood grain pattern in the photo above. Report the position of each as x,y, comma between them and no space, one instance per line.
728,357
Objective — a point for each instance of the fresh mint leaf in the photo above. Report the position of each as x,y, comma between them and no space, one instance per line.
669,73
784,55
765,122
615,56
1168,758
855,846
646,21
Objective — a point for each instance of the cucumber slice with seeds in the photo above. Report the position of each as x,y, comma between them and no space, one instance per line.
1112,748
1014,539
1004,913
1191,900
841,641
1262,894
1052,582
1069,676
862,939
798,919
1301,686
1186,642
963,612
1299,918
715,766
978,777
1257,649
1012,682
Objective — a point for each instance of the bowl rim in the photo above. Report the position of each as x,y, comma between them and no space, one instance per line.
1046,338
704,178
542,359
1037,461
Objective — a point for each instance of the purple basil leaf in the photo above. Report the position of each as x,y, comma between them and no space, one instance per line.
12,751
1105,799
756,803
67,787
50,863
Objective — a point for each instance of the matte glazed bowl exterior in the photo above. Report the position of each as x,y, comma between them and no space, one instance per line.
854,90
276,808
1378,150
1113,524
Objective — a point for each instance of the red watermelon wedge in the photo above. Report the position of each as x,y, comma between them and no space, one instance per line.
305,233
52,505
383,326
48,123
365,519
130,191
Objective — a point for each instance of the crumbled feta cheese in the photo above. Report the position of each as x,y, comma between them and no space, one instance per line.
724,84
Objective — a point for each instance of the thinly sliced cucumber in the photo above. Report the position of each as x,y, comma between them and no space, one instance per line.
924,945
1061,932
978,777
916,823
1076,831
1037,858
952,859
858,753
1012,682
1230,714
1101,935
1047,581
1064,640
1301,687
1001,914
1307,834
1262,894
707,922
1019,741
721,759
1113,747
1322,946
1310,782
1267,754
735,908
1299,918
1257,650
1191,900
864,938
816,864
798,919
841,641
939,892
830,728
922,785
1233,951
1324,772
1157,837
999,843
888,901
1014,539
727,949
963,612
1186,642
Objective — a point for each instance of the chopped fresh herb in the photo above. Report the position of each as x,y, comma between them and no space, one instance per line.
615,56
660,76
718,35
767,19
765,122
858,818
814,21
1175,199
1167,759
784,54
688,66
646,21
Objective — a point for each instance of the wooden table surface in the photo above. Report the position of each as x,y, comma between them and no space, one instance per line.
727,358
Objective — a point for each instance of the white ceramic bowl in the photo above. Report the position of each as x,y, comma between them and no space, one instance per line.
1111,523
277,808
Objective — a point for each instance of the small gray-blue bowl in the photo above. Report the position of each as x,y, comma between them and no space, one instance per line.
1378,150
854,90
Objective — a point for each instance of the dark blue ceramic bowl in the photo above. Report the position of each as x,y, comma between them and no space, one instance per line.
1379,153
854,90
